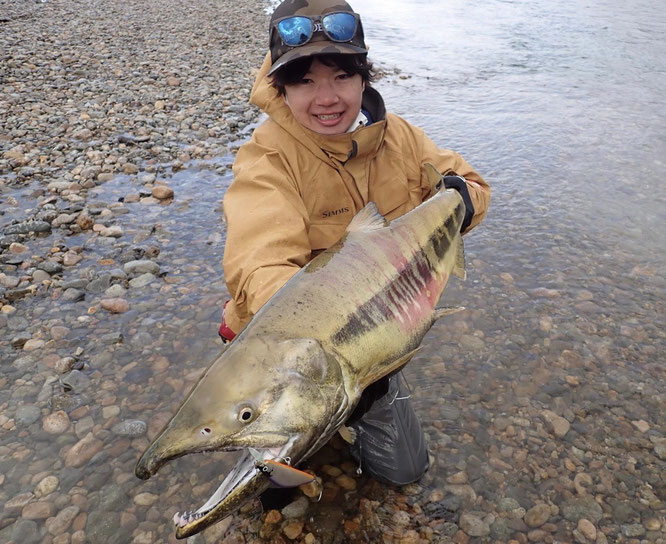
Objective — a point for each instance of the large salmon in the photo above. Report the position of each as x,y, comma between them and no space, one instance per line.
288,382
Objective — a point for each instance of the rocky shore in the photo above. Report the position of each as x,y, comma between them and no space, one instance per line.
118,125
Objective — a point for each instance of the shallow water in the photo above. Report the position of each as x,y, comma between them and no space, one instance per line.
561,107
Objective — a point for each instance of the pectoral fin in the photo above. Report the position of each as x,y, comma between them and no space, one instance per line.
459,267
386,368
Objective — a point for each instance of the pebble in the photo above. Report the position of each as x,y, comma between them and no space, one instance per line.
346,482
46,486
130,427
642,425
84,450
558,425
537,515
37,510
474,525
162,192
143,266
115,305
56,422
62,521
587,529
273,517
145,499
293,529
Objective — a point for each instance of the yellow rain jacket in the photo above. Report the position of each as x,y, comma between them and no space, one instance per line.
295,191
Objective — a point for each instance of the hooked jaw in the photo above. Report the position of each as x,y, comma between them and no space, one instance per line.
244,482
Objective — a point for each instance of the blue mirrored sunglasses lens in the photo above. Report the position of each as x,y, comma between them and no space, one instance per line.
295,30
340,26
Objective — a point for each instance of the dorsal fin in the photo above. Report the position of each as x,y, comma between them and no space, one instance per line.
368,218
434,177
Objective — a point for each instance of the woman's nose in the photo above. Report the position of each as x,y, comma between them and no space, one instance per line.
326,95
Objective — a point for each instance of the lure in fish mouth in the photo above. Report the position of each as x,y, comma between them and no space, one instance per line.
243,402
246,480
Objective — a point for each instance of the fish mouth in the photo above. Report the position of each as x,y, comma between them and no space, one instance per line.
244,482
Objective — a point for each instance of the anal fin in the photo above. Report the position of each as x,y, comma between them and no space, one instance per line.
441,312
348,434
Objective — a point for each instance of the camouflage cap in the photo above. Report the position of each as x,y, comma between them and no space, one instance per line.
319,44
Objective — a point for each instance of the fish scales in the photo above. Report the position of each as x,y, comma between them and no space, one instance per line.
365,313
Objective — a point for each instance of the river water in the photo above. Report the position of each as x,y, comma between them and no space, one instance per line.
548,390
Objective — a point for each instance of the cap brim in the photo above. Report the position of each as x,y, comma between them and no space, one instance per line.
316,48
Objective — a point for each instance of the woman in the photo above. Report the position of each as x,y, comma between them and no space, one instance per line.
328,148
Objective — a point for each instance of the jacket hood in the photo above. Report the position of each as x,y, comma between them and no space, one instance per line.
340,146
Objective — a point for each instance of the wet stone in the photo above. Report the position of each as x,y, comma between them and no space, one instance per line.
143,266
111,338
27,227
130,427
500,530
537,515
507,504
76,381
27,414
73,295
142,281
25,532
39,510
633,531
473,524
115,305
99,285
578,508
296,509
46,486
56,423
104,528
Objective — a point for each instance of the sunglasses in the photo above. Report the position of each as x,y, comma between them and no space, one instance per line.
298,30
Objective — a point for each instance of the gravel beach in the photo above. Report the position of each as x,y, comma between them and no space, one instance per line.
118,126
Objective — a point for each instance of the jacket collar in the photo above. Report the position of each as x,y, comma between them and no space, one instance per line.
364,141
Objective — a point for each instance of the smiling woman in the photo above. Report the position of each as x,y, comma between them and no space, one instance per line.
327,149
324,93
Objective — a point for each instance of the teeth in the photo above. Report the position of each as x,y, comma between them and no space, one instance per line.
186,517
329,116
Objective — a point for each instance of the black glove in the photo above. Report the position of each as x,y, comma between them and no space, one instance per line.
458,183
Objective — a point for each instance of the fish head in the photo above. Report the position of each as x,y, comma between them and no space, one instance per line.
283,398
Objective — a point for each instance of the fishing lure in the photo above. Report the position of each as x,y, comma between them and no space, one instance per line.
280,474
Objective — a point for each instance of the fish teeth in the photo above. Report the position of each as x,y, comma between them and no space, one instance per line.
186,517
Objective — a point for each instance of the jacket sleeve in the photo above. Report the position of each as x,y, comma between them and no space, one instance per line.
447,161
267,241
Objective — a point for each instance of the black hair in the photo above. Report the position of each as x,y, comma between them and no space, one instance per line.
294,72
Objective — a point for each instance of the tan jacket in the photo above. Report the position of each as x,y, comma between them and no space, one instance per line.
295,191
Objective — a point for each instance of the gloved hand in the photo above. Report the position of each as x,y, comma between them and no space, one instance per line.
225,332
458,183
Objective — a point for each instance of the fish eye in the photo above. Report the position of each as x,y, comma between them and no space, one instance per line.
246,414
205,431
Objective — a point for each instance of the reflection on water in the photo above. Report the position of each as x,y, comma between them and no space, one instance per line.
561,106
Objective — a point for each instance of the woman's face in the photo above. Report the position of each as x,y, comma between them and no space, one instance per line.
327,100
